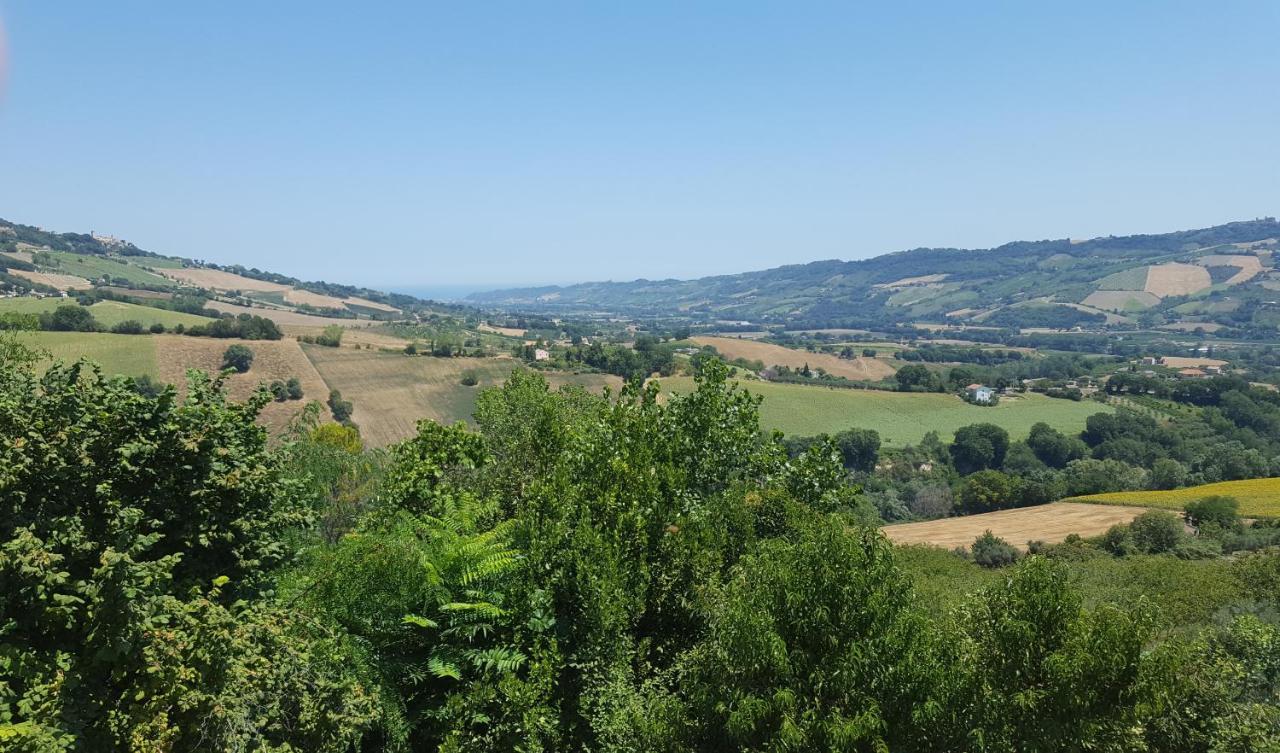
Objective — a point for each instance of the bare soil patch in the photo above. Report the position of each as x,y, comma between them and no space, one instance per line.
1049,523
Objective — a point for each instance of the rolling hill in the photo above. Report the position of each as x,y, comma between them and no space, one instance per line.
1178,278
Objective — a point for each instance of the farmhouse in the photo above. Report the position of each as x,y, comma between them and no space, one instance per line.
541,355
979,393
1191,373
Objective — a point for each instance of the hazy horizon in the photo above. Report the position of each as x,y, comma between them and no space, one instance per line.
446,147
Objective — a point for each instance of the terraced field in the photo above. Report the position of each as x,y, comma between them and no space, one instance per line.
1258,498
900,417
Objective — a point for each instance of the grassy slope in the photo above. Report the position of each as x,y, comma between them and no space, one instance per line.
1182,593
133,355
94,267
108,313
1259,498
901,418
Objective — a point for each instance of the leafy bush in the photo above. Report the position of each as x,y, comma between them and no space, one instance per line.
128,327
293,388
469,378
990,550
1218,511
237,357
341,409
1157,531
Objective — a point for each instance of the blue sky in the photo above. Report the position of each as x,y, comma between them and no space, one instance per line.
422,144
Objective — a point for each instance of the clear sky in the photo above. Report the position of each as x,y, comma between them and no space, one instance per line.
399,144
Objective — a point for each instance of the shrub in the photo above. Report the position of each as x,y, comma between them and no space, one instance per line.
128,327
411,349
293,388
69,318
990,550
1156,531
237,357
331,337
157,329
470,378
341,409
1222,512
279,391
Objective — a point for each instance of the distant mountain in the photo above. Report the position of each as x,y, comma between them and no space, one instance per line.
1221,276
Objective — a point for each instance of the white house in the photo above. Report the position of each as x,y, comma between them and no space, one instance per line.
541,355
980,393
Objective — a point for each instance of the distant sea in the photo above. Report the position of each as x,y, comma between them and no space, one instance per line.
444,293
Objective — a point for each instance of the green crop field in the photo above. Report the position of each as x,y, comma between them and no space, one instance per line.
108,313
1258,497
133,355
94,267
900,417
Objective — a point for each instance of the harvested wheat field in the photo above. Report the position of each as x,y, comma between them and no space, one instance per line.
1248,266
272,359
367,304
865,369
55,281
1176,279
1049,523
391,392
1183,362
300,297
1122,300
24,256
216,279
290,318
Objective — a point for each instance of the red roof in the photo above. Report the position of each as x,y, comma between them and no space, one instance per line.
974,387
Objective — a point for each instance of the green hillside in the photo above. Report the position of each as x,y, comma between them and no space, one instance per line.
900,417
935,284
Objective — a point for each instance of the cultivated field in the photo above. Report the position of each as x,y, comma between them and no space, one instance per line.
1048,523
1184,362
1258,498
508,331
96,267
900,417
108,313
131,355
866,369
55,281
216,279
391,392
297,296
1173,278
290,318
1249,266
272,359
1121,300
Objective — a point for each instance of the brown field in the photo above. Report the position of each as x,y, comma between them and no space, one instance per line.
290,318
909,281
1176,279
26,256
272,359
508,331
1121,300
152,294
1180,362
391,392
1048,523
216,279
1249,266
871,369
56,281
364,303
298,296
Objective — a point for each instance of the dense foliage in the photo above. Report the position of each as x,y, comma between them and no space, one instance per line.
580,573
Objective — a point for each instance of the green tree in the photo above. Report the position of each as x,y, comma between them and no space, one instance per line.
985,491
979,446
237,357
